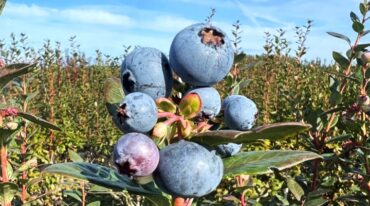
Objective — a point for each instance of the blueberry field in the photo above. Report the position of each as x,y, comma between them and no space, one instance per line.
204,123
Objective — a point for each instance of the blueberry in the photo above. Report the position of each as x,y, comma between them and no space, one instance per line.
187,169
211,100
137,113
147,70
201,54
228,150
240,113
135,154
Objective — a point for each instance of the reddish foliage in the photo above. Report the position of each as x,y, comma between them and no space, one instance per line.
11,111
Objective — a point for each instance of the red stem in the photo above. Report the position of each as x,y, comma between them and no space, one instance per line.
4,164
242,200
166,114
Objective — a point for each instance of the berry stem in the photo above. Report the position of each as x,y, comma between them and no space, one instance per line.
166,114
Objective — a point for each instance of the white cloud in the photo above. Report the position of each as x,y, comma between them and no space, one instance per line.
23,10
96,17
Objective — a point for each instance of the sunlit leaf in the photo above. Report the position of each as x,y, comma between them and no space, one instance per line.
295,188
260,162
74,156
165,105
95,203
7,192
273,132
190,105
113,94
102,176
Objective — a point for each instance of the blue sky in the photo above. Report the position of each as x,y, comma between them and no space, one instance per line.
108,25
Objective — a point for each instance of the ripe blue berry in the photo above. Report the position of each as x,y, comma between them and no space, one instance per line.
147,70
240,113
187,169
137,113
201,54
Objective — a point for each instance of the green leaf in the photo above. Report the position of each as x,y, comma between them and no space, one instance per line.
2,5
26,68
165,105
367,74
260,162
335,98
354,17
363,9
95,203
358,27
74,156
102,176
315,198
273,132
74,194
365,33
341,60
340,36
239,57
359,200
39,121
157,200
7,134
340,138
282,200
7,190
295,188
235,90
25,166
113,95
361,47
190,105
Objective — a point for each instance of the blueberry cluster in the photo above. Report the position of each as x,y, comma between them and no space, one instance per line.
201,55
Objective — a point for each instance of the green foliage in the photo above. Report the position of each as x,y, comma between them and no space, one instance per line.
260,162
271,132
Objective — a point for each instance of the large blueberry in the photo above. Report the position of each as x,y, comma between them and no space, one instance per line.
137,113
229,149
187,169
211,100
147,70
135,154
201,54
240,113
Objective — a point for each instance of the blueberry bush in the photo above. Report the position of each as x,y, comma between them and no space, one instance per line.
217,128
